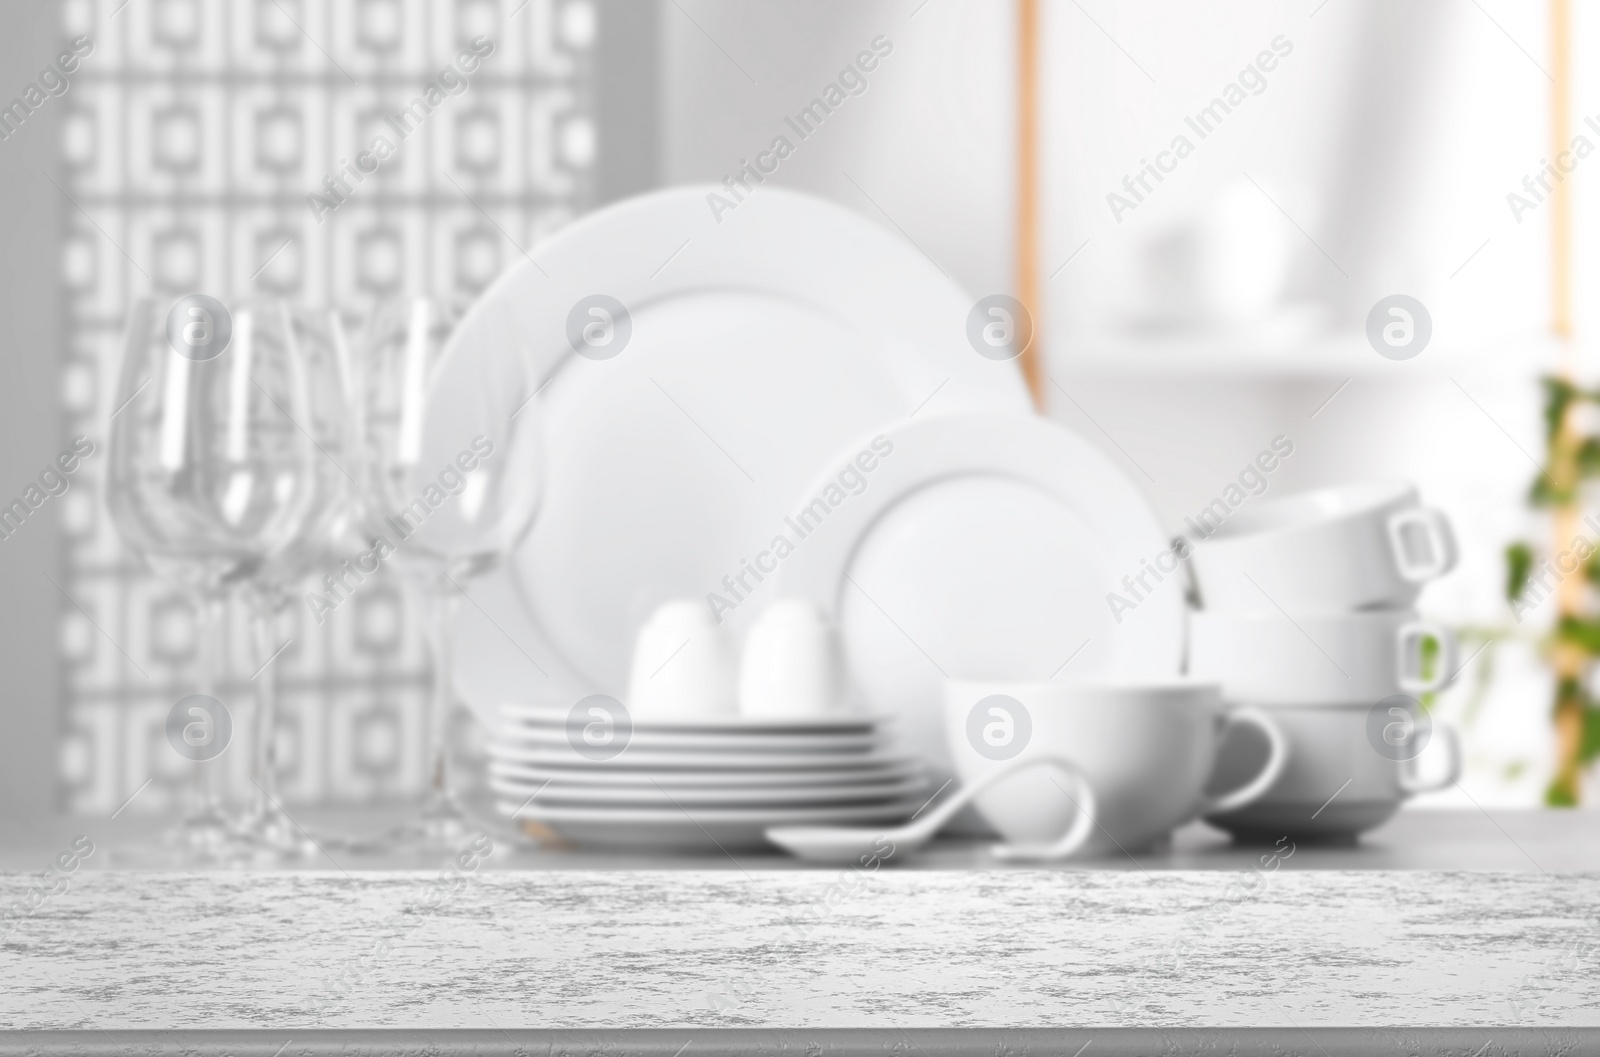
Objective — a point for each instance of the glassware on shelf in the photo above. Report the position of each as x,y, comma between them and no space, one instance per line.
450,486
209,477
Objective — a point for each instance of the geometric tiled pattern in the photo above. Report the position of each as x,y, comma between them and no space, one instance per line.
191,136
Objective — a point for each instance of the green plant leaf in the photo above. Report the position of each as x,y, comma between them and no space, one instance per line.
1429,656
1519,563
1588,457
1581,632
1555,796
1589,744
1558,393
1543,493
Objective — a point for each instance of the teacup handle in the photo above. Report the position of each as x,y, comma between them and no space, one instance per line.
1408,655
1411,783
1277,758
1082,797
1435,527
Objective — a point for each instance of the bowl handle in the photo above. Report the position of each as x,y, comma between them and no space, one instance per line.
1435,528
1412,783
1409,649
1277,758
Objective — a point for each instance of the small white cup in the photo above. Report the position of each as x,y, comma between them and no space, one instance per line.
1318,658
1363,546
683,665
1350,767
791,663
1145,749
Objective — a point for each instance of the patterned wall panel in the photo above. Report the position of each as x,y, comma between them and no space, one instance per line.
191,137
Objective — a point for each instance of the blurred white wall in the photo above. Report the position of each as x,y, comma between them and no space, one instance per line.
1226,308
926,147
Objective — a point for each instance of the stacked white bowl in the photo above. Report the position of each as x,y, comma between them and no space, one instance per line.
1307,609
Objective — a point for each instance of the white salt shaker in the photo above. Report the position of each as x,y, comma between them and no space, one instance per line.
791,663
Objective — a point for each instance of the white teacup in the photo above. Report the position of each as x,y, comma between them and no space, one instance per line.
1350,767
791,665
1318,658
683,665
1364,546
1146,749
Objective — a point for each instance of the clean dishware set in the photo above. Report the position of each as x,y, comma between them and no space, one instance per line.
869,461
845,591
952,551
1306,613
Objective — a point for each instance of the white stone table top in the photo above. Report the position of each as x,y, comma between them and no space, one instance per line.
1287,946
927,949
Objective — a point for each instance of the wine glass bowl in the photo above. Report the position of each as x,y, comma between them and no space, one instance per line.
449,466
206,475
319,341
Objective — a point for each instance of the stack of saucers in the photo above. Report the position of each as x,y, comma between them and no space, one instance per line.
594,775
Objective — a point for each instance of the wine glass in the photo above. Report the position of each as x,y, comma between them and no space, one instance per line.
449,488
327,532
209,477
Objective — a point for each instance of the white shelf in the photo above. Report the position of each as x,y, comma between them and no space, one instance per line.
1332,356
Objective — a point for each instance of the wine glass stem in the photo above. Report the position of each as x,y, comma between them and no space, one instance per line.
263,757
212,609
441,606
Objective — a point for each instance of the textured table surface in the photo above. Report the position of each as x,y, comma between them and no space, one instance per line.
1290,947
932,949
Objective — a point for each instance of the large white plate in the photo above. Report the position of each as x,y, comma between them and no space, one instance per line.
842,723
761,347
673,779
563,795
697,829
985,547
628,759
552,739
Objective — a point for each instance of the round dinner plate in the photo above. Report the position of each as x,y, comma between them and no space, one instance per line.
750,354
673,779
699,830
842,723
636,797
987,547
552,739
629,759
